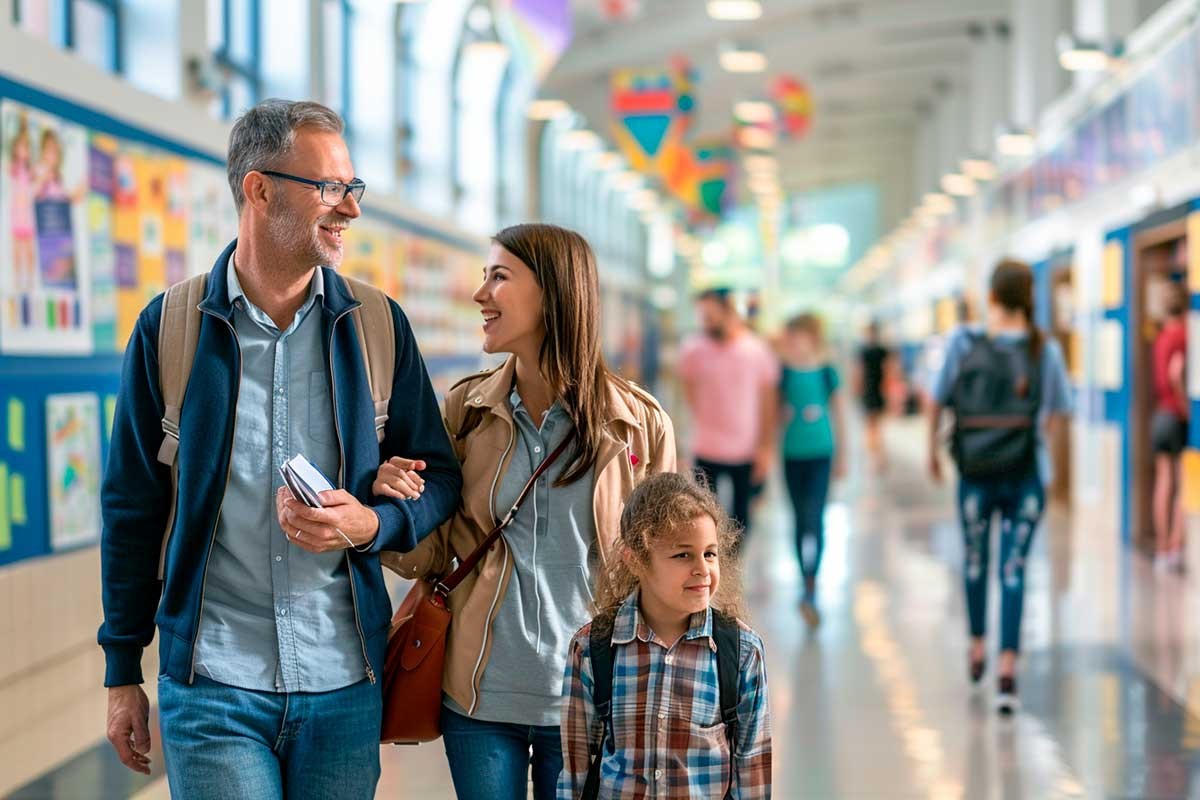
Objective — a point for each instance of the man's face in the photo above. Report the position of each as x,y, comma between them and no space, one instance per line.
299,224
714,317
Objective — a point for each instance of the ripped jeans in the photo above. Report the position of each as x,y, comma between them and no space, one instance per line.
1019,502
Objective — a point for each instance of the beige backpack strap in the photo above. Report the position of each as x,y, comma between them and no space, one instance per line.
377,341
178,332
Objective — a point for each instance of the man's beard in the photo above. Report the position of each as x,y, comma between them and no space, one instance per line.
300,240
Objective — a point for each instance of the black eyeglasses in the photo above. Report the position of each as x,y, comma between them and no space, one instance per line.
332,192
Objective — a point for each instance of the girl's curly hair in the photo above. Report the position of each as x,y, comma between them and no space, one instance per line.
660,505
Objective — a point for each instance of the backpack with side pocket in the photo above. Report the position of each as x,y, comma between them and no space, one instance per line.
995,401
728,639
179,332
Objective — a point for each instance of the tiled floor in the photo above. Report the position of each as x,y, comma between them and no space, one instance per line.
875,704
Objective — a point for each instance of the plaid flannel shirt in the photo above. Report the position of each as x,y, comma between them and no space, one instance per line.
670,741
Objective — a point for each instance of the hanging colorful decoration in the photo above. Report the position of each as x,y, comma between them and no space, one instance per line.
653,112
537,31
794,104
620,10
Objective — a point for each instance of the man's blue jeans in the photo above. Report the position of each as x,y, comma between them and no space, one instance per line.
1019,502
222,742
491,760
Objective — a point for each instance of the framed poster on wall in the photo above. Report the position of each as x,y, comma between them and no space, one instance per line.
73,468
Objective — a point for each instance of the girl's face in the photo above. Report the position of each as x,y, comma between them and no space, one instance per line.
511,302
21,148
801,342
683,571
51,155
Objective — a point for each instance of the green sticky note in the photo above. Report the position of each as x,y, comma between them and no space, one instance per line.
5,524
16,424
16,499
110,411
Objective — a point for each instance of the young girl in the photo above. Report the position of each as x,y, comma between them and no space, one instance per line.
812,437
1016,493
668,611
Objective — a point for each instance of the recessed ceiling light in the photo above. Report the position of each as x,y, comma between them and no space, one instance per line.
754,111
743,59
979,169
581,140
546,109
734,10
957,185
1015,143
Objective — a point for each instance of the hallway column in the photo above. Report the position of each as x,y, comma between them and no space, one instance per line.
1037,78
1104,21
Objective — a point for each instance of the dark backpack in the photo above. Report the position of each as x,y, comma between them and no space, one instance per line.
995,401
728,639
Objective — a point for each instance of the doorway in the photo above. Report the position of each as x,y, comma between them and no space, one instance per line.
1160,256
1061,328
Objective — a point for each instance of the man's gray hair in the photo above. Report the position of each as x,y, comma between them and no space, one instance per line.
263,135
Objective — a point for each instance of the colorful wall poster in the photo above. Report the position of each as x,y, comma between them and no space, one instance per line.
73,468
44,294
212,217
368,256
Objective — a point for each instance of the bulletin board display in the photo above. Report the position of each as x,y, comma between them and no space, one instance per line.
97,217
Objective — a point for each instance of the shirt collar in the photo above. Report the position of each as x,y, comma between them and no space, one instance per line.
516,404
316,291
630,625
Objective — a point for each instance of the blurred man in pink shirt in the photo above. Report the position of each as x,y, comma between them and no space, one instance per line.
730,378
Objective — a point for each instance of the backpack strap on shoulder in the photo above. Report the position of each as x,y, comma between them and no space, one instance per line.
601,656
377,341
729,640
178,333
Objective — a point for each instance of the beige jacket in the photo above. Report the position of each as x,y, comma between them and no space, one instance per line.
639,430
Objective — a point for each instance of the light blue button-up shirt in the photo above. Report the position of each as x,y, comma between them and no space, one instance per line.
275,617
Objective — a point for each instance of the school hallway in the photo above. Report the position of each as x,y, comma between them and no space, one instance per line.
875,704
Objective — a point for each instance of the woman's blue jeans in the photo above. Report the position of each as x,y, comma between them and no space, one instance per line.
1019,503
492,760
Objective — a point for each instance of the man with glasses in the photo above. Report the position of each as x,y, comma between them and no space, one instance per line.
272,618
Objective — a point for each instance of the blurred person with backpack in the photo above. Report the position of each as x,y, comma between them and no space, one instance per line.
1005,384
1169,428
874,363
812,436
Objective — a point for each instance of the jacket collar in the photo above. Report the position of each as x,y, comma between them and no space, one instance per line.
335,300
492,393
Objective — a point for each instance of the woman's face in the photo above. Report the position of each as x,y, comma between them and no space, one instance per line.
510,300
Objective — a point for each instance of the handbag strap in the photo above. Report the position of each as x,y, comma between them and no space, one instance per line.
448,584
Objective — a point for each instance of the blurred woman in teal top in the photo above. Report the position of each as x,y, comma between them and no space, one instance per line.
812,443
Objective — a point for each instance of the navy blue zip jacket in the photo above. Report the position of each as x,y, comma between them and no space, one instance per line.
136,493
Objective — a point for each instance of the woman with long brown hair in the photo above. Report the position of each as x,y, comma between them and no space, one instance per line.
515,614
1004,383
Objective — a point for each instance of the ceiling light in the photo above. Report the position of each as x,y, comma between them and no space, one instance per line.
1015,143
743,59
755,163
756,138
581,140
486,49
1079,56
754,111
546,109
606,161
644,200
734,10
627,181
957,185
979,169
938,203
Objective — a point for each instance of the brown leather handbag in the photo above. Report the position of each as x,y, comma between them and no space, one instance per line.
416,650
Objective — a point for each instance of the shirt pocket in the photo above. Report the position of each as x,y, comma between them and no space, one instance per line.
320,408
704,749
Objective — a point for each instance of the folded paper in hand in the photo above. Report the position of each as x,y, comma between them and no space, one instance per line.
305,481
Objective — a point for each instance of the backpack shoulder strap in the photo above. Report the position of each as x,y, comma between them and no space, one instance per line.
827,377
377,341
601,656
178,333
729,641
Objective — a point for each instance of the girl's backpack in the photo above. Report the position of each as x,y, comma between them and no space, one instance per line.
728,639
995,401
